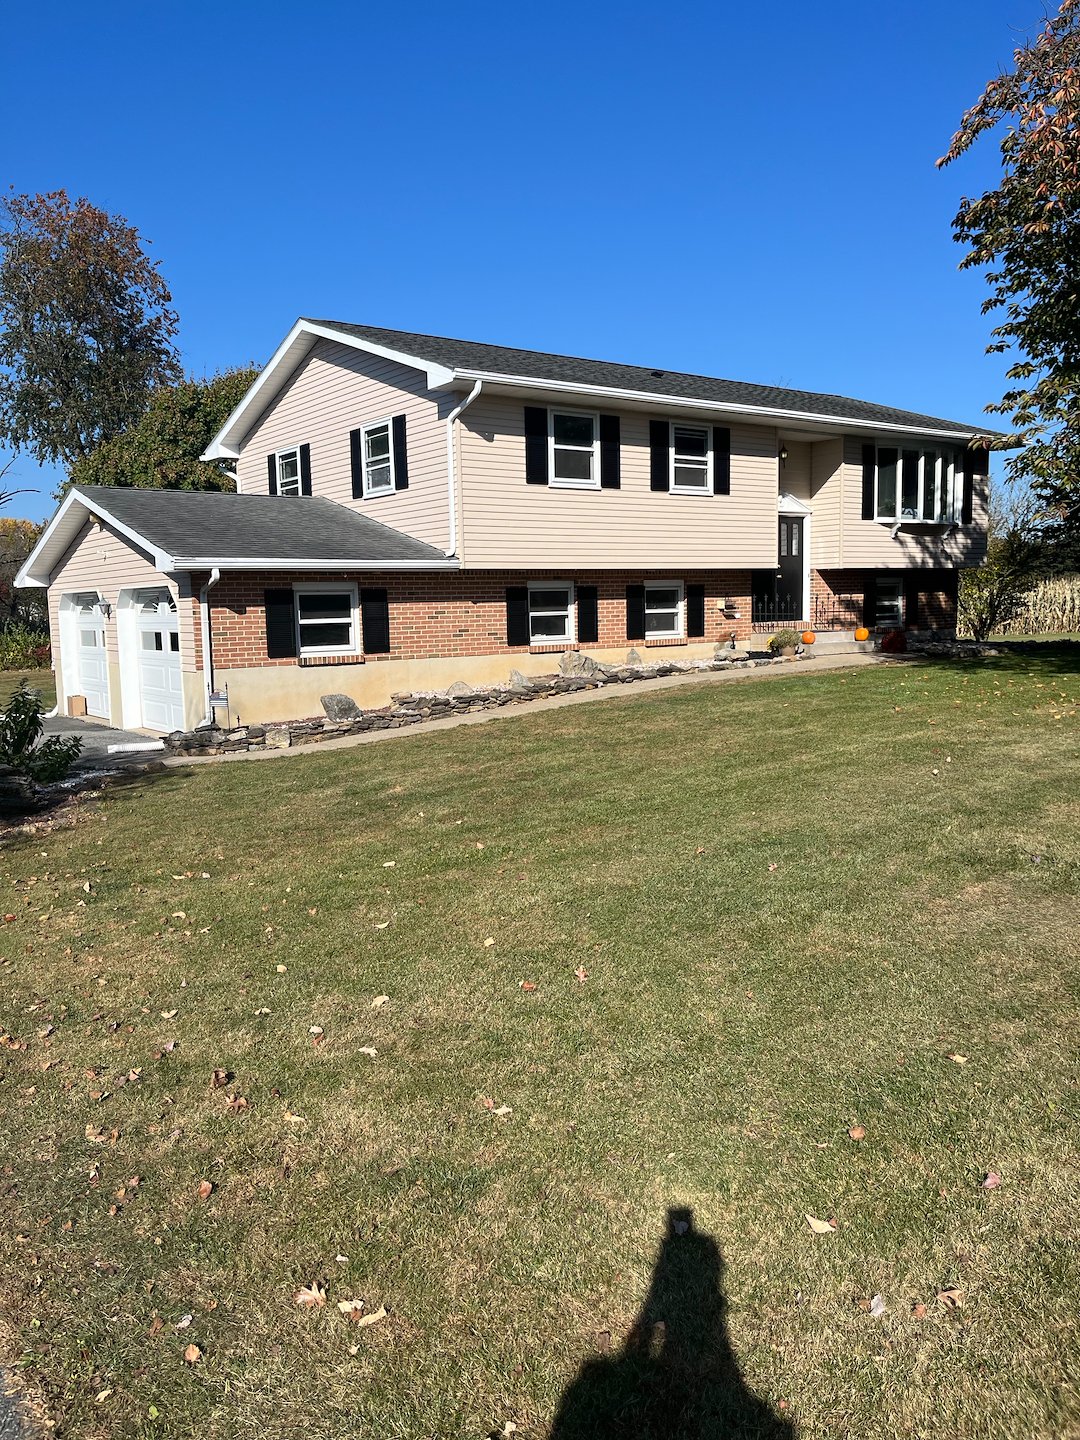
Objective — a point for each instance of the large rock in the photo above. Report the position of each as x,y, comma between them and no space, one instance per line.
459,688
633,658
730,652
278,737
518,681
340,707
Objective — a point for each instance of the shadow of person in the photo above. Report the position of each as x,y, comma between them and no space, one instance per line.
676,1377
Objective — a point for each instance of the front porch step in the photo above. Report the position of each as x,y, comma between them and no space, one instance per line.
841,642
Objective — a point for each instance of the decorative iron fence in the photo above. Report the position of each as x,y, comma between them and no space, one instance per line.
771,614
838,612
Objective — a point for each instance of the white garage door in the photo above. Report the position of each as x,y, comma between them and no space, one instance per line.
92,662
158,640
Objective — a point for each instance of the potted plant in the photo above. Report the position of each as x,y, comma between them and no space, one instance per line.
783,642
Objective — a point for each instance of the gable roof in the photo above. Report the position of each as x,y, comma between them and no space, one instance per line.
448,363
196,530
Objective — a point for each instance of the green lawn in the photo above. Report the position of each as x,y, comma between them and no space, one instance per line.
797,907
42,680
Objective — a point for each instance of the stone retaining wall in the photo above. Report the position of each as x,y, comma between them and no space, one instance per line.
580,672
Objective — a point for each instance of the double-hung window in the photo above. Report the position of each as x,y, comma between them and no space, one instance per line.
664,611
918,485
288,472
326,619
551,613
574,461
378,459
691,459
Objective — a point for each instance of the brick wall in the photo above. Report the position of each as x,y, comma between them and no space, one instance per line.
837,597
445,616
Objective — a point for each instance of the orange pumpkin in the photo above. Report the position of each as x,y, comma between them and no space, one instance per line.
808,637
862,633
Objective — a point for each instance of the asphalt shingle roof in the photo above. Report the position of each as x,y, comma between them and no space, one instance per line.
539,365
208,525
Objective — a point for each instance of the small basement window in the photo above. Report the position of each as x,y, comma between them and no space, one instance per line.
551,613
664,611
889,610
326,619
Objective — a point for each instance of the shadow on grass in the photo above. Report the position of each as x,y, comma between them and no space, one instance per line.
676,1377
23,812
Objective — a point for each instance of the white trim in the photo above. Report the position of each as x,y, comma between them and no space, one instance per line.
327,587
571,612
955,487
26,579
295,348
792,508
288,494
679,633
388,424
451,466
70,619
673,487
593,450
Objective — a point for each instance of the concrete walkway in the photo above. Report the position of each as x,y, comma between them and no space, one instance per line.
802,668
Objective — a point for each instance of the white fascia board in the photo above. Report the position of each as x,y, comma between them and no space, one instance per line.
374,567
227,443
36,570
718,407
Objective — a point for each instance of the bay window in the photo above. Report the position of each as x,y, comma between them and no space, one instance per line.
920,486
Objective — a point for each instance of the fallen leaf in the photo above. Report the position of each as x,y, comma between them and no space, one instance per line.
206,1189
374,1317
382,924
218,1079
95,1135
167,1014
102,1395
235,1103
281,969
315,1030
311,1296
952,1298
388,864
820,1227
192,1355
380,1001
488,943
368,1050
919,1310
877,1306
503,1110
700,850
773,866
184,1321
857,1132
351,1309
156,1324
527,985
581,974
992,1181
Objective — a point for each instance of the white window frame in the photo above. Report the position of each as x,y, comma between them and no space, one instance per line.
679,633
372,492
327,587
928,475
570,638
675,488
889,582
593,450
279,456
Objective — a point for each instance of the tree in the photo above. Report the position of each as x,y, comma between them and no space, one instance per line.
1027,231
86,326
161,449
990,596
17,539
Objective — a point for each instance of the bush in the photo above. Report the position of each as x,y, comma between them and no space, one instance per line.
21,745
24,647
784,640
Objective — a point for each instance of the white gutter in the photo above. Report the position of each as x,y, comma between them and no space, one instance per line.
451,466
245,562
207,652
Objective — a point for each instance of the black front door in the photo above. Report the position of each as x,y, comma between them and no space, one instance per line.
789,576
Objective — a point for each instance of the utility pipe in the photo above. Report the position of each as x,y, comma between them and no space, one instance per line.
208,654
451,477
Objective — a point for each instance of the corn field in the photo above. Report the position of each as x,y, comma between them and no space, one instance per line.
1050,608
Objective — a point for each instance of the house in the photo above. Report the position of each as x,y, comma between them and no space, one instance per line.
412,510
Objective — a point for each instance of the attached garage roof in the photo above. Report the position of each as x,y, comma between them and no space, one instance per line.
196,530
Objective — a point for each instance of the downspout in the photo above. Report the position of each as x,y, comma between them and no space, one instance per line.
208,654
451,467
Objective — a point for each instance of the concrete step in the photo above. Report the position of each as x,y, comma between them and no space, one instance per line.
841,642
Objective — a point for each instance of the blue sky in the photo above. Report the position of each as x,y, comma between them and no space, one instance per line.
745,191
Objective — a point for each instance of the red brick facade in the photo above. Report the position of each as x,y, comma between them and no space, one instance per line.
838,598
462,614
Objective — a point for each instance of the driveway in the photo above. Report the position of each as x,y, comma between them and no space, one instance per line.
96,739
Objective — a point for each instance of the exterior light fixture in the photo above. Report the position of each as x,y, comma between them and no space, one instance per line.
783,454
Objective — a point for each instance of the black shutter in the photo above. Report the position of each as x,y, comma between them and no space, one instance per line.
280,624
870,602
356,455
536,449
517,615
305,469
912,586
610,465
967,505
588,615
659,458
721,460
869,477
695,612
401,454
271,474
635,612
375,621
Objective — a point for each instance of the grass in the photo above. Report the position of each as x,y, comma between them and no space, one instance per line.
795,904
42,680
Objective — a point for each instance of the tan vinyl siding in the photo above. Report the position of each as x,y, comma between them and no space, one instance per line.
795,472
508,524
335,391
868,544
826,489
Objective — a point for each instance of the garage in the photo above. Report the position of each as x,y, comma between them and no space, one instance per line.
87,629
157,638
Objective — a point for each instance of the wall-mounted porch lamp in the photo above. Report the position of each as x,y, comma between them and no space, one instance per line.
783,454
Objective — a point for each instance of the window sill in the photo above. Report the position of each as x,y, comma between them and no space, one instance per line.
573,485
557,647
916,524
306,661
699,490
666,640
